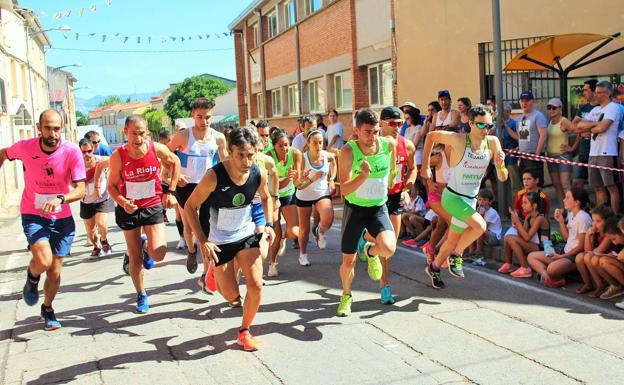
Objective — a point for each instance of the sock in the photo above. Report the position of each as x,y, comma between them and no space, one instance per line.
455,254
242,330
434,267
143,292
180,227
368,252
32,278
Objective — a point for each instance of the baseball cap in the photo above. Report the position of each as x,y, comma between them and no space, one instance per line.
527,95
391,113
408,104
555,102
444,93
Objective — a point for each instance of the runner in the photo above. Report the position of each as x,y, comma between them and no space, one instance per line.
470,155
228,190
134,183
314,189
96,204
366,165
287,161
51,166
164,137
198,148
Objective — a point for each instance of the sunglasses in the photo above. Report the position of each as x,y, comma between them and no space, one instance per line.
87,151
483,126
395,124
551,108
95,141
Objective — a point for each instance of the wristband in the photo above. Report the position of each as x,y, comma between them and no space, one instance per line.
270,225
61,197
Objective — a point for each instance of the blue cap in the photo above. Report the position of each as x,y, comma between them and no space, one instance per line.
444,93
527,95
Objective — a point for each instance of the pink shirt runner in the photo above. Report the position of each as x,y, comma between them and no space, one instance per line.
47,175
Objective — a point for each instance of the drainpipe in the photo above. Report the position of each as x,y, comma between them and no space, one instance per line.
262,68
298,65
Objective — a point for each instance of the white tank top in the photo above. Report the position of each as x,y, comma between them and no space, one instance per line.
445,122
318,188
198,157
465,178
443,173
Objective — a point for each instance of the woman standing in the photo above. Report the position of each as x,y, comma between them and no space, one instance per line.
415,132
96,203
558,129
287,161
463,105
314,188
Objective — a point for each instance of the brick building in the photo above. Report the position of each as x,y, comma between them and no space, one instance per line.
311,56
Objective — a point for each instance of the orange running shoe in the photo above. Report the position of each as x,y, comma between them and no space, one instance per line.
211,283
247,341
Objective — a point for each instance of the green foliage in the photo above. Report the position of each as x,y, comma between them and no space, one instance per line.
110,100
180,102
81,119
128,100
154,120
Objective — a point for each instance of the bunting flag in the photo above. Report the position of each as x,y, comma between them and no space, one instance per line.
103,38
81,12
109,37
93,8
68,12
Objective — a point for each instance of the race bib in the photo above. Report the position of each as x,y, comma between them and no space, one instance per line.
233,219
90,188
373,188
141,190
398,178
41,199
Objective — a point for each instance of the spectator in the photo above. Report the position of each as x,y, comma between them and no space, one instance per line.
412,218
320,124
308,122
430,221
432,109
510,141
531,184
611,266
532,135
335,132
99,148
529,237
263,130
491,102
414,131
463,105
494,229
582,143
407,106
559,148
602,123
446,118
596,244
553,268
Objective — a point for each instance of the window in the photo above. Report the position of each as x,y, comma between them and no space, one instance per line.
290,13
343,91
3,98
259,103
276,102
380,84
293,100
256,35
272,18
25,94
14,91
311,6
22,117
316,96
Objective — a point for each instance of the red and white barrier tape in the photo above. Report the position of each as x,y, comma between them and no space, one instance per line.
524,155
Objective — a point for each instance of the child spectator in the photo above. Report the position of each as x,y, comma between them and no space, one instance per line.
430,221
552,268
530,181
612,266
596,243
412,217
529,238
494,230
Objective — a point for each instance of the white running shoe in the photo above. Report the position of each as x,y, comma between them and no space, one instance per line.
282,247
321,241
273,270
620,305
303,260
181,244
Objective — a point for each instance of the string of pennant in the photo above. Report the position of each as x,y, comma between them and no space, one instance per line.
103,37
69,12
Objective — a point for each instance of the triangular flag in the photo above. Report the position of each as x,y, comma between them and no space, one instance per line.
65,35
117,34
190,38
68,13
81,12
93,8
92,34
207,36
149,40
77,34
230,33
138,39
182,39
125,39
173,38
218,36
109,2
199,36
58,16
225,33
103,38
163,40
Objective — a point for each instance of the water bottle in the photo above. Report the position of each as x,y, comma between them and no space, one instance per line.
549,250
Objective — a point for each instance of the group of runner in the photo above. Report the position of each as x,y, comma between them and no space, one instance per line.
232,192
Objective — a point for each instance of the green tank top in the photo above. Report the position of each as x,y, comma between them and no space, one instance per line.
282,171
374,191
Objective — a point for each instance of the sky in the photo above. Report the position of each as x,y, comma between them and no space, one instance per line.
111,73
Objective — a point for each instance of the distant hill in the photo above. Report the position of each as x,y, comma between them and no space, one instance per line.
85,105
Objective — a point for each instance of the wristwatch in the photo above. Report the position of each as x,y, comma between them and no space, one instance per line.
61,197
167,191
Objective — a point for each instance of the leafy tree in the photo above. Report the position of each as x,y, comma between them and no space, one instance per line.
128,100
154,119
180,102
110,100
81,119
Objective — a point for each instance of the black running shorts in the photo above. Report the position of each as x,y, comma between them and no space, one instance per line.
357,218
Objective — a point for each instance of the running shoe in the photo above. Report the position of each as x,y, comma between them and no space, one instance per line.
344,307
148,262
96,252
429,252
315,232
282,248
361,249
322,241
620,305
554,284
455,266
106,247
303,260
374,266
201,282
181,244
612,292
49,319
410,243
191,262
436,277
386,295
506,268
238,302
422,242
522,272
31,289
247,341
211,282
126,264
142,306
295,244
273,270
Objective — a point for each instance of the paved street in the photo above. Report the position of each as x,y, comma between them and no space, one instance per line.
487,329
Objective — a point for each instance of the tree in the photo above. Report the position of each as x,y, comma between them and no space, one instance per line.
154,119
110,100
81,119
180,102
128,100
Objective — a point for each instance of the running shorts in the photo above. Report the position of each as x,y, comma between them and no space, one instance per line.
355,219
459,207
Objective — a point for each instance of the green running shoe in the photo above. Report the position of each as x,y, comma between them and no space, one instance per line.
374,267
344,307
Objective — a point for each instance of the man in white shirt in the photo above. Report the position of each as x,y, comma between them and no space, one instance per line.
308,122
334,132
602,122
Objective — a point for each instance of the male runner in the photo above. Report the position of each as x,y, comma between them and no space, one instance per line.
54,175
469,159
366,165
228,189
134,183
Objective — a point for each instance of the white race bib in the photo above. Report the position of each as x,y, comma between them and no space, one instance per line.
41,199
233,219
90,188
398,178
373,188
141,190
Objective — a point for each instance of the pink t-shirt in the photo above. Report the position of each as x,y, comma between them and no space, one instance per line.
47,175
